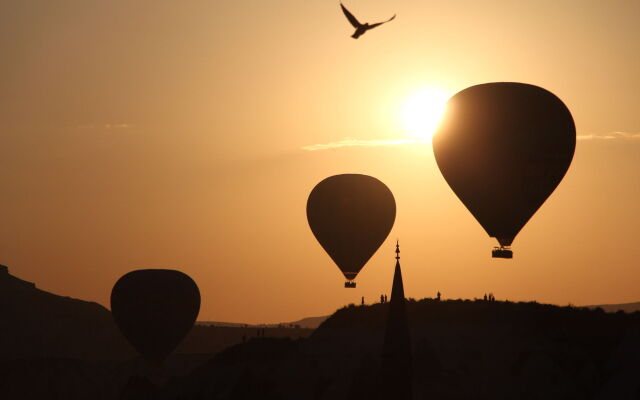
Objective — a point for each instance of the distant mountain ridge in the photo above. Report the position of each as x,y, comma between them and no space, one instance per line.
307,323
626,307
315,322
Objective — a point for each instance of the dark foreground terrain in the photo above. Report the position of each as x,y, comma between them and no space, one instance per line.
461,350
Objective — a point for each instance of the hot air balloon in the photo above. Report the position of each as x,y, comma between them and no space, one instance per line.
351,215
503,148
155,309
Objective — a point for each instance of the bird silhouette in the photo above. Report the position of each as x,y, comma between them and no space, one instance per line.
360,28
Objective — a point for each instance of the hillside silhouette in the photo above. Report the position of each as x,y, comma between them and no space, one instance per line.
305,323
57,347
626,307
36,323
54,346
462,349
39,324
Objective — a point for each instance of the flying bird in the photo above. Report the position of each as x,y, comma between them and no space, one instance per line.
360,28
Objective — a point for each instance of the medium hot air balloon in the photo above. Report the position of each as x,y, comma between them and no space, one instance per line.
351,215
155,309
503,148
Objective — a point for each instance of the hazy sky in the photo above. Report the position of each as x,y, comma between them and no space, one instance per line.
171,134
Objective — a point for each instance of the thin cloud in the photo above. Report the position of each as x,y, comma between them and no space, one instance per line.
351,142
104,126
116,126
610,136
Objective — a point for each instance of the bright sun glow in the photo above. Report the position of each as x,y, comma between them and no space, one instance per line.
423,111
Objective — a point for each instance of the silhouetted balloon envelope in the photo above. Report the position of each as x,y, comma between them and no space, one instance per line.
351,215
155,309
503,148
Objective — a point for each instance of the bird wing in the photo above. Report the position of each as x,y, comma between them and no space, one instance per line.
350,17
380,23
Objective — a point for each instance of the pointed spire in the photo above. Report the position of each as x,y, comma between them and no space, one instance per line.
396,378
397,288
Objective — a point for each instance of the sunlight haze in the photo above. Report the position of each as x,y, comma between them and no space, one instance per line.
423,110
188,135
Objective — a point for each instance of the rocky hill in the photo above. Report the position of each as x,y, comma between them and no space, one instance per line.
36,323
58,347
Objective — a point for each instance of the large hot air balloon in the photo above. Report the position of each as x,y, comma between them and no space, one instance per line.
351,215
155,309
503,148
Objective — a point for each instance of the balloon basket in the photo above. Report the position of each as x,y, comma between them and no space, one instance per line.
349,284
500,252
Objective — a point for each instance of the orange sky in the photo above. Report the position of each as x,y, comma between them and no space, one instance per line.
170,134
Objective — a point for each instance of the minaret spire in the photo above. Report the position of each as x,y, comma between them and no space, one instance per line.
397,288
396,380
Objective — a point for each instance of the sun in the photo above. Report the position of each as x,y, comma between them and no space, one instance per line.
422,112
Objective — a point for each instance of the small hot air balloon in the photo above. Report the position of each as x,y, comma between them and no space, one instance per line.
155,309
351,215
503,148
